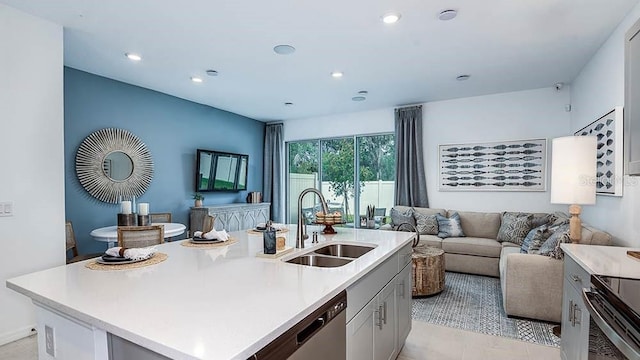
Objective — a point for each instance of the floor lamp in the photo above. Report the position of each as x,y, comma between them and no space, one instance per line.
573,177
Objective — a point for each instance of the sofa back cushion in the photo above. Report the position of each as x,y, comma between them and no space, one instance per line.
590,235
479,224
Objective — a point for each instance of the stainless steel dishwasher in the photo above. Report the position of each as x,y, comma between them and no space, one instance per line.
321,335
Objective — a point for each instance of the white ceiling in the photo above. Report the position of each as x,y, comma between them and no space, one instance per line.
505,45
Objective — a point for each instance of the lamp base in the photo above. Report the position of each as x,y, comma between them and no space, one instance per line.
575,224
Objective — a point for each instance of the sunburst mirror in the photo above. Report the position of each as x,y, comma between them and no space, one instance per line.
112,164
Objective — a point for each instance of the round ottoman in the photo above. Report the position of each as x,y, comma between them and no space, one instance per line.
428,270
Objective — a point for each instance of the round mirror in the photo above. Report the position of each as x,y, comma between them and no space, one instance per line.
113,163
117,166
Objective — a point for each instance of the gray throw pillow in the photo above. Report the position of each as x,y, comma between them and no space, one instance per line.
399,217
514,227
539,220
426,224
537,236
549,246
449,227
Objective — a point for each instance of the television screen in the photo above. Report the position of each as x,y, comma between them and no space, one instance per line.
221,171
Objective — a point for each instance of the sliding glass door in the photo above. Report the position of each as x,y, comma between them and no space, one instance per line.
353,173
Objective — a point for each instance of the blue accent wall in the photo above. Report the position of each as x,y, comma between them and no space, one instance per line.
172,128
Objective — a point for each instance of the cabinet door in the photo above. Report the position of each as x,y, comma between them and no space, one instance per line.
575,325
404,303
385,333
360,333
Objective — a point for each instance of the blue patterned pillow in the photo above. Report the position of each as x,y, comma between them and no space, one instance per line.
449,227
399,217
551,246
537,235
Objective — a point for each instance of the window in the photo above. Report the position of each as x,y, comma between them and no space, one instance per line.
332,166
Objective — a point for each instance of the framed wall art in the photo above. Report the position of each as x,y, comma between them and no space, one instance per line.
494,166
609,162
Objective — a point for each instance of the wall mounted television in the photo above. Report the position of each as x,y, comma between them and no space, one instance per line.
221,171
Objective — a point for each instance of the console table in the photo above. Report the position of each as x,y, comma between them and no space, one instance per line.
230,217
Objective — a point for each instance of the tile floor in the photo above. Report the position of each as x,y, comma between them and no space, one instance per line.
426,341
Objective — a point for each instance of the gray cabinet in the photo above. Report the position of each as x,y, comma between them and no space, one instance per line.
404,304
632,100
379,310
575,317
230,217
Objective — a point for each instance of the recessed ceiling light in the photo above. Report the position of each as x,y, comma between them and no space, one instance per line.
133,57
337,74
447,14
196,79
358,98
284,49
390,18
288,104
463,77
212,73
363,92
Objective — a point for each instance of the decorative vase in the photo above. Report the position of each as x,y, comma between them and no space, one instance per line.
198,203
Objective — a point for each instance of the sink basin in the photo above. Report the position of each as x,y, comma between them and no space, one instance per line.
319,260
344,250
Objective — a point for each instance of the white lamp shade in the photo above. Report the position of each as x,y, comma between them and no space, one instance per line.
573,170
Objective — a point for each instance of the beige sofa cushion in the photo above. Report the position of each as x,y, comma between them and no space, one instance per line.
429,211
479,224
472,246
431,240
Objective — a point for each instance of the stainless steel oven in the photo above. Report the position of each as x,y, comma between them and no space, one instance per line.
614,305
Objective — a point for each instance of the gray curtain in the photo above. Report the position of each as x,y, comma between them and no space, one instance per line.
273,176
411,184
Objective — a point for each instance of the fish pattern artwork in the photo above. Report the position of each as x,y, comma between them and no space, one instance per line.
607,129
496,166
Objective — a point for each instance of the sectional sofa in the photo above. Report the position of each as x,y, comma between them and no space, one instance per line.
531,283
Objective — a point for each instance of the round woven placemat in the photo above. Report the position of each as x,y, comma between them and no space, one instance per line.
156,259
255,232
188,243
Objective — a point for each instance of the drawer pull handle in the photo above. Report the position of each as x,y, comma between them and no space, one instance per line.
576,278
571,312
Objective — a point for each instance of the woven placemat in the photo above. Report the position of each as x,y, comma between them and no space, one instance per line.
156,259
188,243
256,232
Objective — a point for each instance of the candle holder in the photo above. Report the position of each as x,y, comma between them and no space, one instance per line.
144,220
126,220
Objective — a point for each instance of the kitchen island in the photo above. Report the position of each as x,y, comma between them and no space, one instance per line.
219,303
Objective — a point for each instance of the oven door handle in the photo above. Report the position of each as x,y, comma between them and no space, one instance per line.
626,348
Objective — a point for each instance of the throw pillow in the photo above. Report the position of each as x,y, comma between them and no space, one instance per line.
551,247
542,220
426,224
514,227
537,235
449,227
399,217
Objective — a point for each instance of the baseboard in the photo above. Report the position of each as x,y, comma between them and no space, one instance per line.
12,336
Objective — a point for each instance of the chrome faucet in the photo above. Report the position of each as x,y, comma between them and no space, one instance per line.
302,227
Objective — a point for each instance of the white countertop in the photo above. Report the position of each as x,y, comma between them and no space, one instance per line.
221,303
604,260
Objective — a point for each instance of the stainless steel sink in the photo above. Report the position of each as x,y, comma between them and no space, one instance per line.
344,250
319,260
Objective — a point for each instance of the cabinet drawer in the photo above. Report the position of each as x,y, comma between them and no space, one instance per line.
366,288
575,275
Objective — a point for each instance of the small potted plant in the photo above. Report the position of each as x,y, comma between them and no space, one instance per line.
198,199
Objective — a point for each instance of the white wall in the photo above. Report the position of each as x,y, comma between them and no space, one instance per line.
31,160
518,115
597,90
530,114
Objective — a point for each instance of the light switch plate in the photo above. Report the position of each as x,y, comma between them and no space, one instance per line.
6,208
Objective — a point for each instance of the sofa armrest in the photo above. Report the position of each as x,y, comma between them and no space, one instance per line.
531,285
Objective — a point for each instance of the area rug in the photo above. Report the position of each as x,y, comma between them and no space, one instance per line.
474,303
